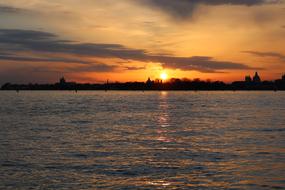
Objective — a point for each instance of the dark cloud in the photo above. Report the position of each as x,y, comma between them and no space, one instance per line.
47,42
40,59
11,10
267,54
184,8
97,67
200,63
37,41
134,68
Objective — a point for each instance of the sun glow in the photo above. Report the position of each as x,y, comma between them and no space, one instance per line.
163,76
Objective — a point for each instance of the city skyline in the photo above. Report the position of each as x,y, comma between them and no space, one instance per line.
162,83
131,40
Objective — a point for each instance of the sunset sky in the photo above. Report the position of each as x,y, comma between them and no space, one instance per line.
131,40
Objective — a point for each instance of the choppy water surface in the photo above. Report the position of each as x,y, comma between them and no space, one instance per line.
136,140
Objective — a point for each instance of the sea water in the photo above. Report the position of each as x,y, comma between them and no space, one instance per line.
142,140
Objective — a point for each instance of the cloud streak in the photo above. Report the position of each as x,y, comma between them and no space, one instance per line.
19,41
5,9
201,63
134,68
181,9
266,54
41,59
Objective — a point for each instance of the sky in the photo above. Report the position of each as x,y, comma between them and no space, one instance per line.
131,40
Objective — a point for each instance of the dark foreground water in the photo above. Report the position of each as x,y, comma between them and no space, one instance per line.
136,140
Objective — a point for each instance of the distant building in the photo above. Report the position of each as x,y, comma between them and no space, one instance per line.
158,81
248,78
149,82
256,78
62,81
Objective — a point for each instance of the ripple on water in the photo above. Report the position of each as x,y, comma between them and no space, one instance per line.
134,140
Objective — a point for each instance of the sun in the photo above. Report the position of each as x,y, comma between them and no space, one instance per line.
163,76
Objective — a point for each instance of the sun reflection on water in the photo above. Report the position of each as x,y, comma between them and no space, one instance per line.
163,118
160,183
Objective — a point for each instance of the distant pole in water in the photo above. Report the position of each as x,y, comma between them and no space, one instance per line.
107,84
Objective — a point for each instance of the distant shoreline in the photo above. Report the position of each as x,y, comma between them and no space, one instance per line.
264,90
249,84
